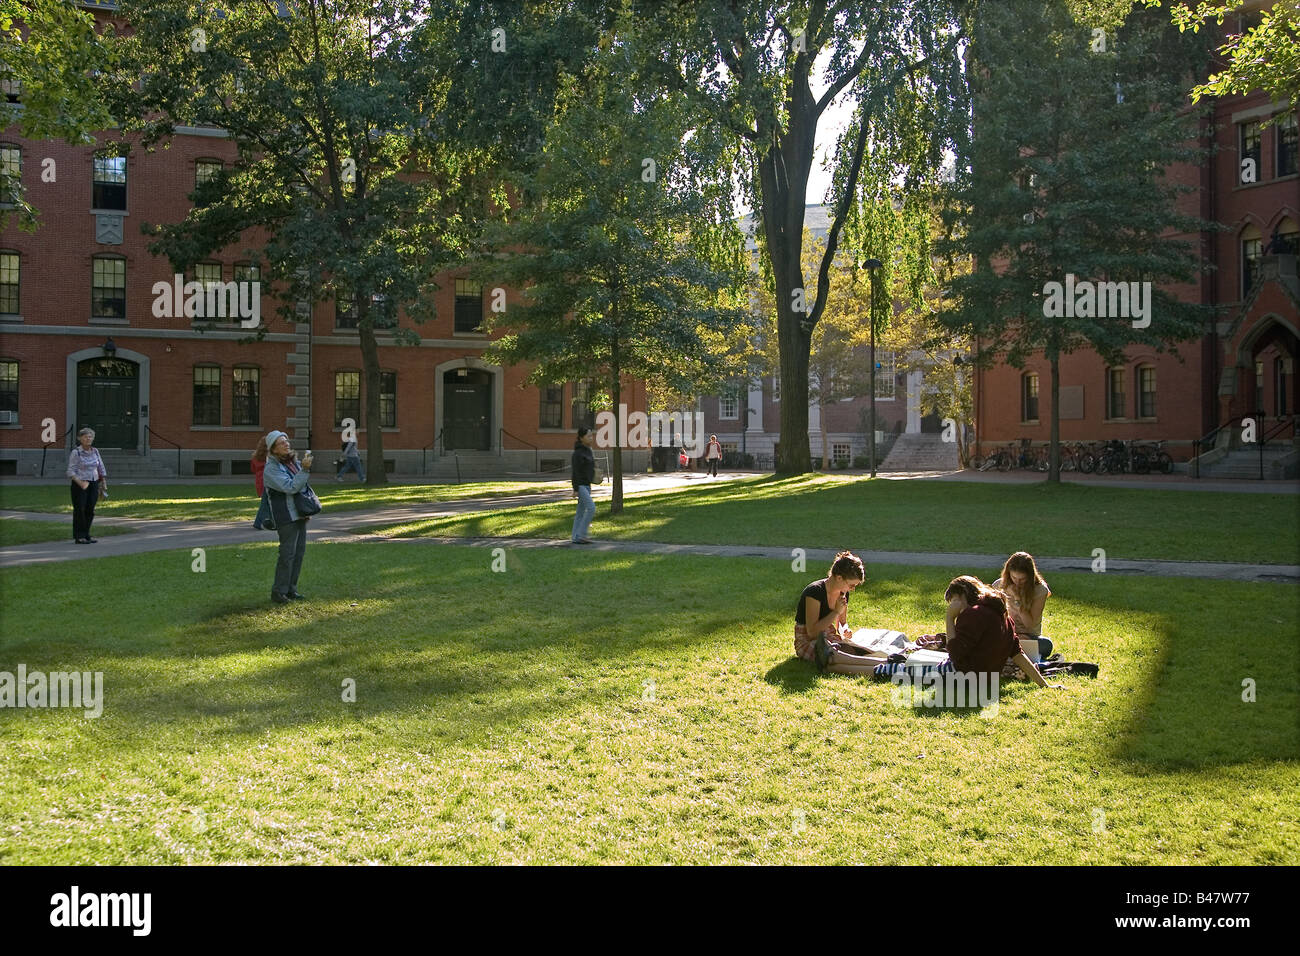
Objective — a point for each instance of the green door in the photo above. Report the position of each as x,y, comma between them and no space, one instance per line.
108,400
467,418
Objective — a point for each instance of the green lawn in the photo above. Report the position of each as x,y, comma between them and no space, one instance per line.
588,707
861,514
238,502
18,531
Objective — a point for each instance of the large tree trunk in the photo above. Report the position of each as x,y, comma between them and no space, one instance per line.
783,183
375,474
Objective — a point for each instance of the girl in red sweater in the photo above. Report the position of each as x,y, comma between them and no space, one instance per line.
259,466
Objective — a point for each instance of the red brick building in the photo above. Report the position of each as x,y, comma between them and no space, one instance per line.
1243,366
80,344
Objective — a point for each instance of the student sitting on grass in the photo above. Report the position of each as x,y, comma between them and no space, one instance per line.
1026,594
980,635
821,618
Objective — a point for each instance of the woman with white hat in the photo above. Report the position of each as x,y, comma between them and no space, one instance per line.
283,478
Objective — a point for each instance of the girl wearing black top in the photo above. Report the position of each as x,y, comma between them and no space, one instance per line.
821,619
582,474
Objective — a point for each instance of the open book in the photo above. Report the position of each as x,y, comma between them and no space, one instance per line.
879,642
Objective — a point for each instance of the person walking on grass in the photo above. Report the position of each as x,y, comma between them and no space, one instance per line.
284,477
352,462
89,484
713,454
582,473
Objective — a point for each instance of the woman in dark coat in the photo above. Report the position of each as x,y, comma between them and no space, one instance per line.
582,474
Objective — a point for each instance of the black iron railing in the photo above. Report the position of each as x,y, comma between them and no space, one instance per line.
169,442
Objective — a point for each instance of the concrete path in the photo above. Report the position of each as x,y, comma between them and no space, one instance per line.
165,535
970,562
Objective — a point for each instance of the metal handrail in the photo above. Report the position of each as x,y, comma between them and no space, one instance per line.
501,445
170,442
424,457
1211,436
1267,436
46,447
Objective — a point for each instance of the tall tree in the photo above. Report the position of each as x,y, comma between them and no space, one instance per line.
752,69
1073,134
50,53
1264,57
374,137
624,241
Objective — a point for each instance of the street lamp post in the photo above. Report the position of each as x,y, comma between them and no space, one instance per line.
872,266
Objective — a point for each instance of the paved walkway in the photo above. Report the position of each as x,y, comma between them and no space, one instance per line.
166,535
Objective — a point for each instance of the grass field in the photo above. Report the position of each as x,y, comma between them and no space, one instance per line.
237,502
18,531
817,511
587,707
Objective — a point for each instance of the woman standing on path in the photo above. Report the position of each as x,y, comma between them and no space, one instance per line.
712,454
284,478
583,472
89,483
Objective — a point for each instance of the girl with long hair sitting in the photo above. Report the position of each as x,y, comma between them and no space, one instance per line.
1026,595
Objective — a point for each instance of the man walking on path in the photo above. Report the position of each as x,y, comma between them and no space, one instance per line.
352,462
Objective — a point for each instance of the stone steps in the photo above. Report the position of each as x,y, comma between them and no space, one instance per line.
921,452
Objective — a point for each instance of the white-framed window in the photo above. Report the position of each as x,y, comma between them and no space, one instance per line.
776,387
886,375
729,447
841,452
728,408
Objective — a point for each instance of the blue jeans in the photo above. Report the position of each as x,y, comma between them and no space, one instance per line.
586,511
352,464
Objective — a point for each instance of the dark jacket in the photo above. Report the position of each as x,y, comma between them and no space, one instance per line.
584,466
984,638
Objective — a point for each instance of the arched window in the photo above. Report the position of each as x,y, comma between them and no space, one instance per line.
1146,391
1280,385
1029,397
1116,394
1286,238
1251,251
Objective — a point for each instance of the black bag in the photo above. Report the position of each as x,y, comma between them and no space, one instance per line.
306,502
